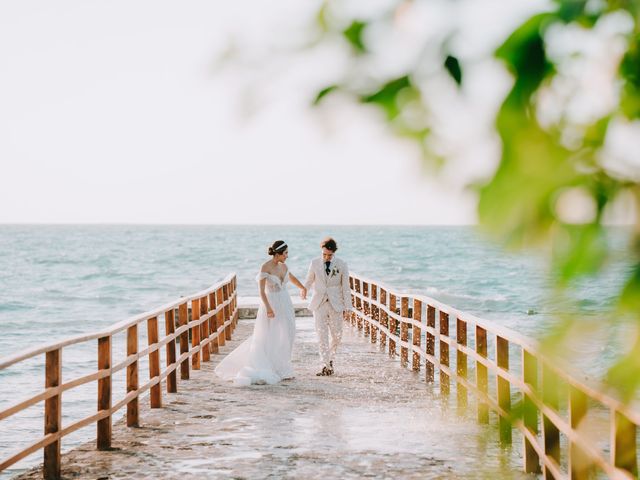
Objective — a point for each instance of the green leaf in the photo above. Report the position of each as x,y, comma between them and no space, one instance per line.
322,19
387,96
452,65
353,33
630,73
525,56
595,134
630,297
570,10
517,204
324,92
586,13
581,251
624,376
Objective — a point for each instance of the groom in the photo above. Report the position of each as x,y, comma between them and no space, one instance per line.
331,300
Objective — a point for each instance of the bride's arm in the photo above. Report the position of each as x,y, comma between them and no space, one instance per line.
263,297
298,283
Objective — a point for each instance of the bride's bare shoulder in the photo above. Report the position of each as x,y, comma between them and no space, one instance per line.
266,267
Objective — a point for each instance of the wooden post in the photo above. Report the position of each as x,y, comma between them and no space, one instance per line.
154,363
52,414
504,389
623,453
133,415
359,304
353,299
183,314
375,313
579,463
232,326
222,337
213,324
236,314
195,333
417,334
404,331
367,310
104,393
392,325
430,373
235,301
204,329
227,316
445,382
169,329
384,318
461,362
530,414
550,433
482,374
232,315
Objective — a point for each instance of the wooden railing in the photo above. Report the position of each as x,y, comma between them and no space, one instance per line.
547,405
208,317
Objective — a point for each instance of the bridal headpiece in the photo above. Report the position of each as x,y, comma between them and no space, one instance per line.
278,247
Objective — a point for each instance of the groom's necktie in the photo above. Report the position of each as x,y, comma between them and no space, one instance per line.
326,267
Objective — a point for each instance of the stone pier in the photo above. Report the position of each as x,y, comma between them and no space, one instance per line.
372,419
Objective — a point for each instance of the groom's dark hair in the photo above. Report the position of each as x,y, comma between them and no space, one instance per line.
330,244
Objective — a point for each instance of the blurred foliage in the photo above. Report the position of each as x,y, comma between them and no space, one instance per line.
539,169
452,64
387,96
354,35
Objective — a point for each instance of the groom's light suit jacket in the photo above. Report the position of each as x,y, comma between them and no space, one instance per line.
334,286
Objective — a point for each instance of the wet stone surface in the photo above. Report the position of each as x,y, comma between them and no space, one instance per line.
373,419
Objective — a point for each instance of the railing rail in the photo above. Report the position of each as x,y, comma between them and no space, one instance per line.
543,385
214,316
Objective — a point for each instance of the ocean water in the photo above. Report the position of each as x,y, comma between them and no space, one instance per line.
58,281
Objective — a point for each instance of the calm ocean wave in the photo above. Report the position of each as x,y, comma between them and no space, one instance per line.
15,307
58,281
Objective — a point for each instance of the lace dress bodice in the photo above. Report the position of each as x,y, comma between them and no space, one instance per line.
273,284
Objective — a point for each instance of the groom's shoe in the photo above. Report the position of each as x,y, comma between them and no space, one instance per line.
323,373
330,369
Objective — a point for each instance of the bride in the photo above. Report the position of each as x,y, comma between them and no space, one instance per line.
265,357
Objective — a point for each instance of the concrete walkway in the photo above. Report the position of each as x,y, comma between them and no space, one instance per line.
372,419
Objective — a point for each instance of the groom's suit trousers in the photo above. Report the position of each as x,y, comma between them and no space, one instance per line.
328,322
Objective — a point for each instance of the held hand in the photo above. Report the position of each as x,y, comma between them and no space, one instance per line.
303,293
270,313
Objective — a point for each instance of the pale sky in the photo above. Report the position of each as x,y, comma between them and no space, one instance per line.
122,112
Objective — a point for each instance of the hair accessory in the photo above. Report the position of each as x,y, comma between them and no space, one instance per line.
281,248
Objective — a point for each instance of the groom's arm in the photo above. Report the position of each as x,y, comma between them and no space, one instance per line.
311,277
346,290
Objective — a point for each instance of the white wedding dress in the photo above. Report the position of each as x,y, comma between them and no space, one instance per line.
265,357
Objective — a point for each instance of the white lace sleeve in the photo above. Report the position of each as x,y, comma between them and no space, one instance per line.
262,275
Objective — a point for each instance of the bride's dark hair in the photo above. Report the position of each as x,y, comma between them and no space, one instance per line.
278,247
